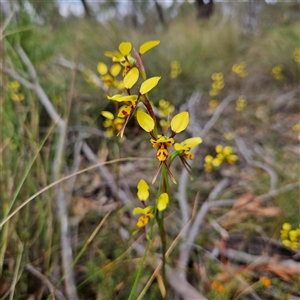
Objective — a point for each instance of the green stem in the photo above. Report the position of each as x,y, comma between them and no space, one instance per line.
162,233
164,183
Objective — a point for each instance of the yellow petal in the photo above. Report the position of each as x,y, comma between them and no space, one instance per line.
162,154
191,142
121,98
232,158
143,190
125,110
180,122
138,211
114,54
149,84
107,115
286,226
147,46
102,68
293,235
115,69
125,48
227,150
208,159
219,148
216,162
147,211
131,78
180,147
143,221
14,85
162,201
145,121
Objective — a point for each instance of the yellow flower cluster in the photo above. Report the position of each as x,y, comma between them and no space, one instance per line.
297,129
136,91
241,103
175,69
14,88
240,69
213,103
108,76
296,55
223,153
289,236
217,85
112,124
228,136
277,72
148,211
165,108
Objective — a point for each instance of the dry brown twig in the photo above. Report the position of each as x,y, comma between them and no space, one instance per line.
57,294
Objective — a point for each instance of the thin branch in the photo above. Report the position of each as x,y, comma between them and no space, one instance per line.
45,281
184,288
244,150
271,194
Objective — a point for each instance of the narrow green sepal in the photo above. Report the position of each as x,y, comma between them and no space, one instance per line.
174,155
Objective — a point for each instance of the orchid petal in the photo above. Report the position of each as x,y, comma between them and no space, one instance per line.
102,68
149,84
162,201
180,122
107,115
147,46
125,48
143,190
145,120
131,78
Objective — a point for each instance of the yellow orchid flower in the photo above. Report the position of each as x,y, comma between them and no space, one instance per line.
147,215
162,143
131,103
124,56
187,145
127,110
108,76
112,123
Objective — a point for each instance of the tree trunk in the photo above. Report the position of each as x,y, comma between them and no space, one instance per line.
204,10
